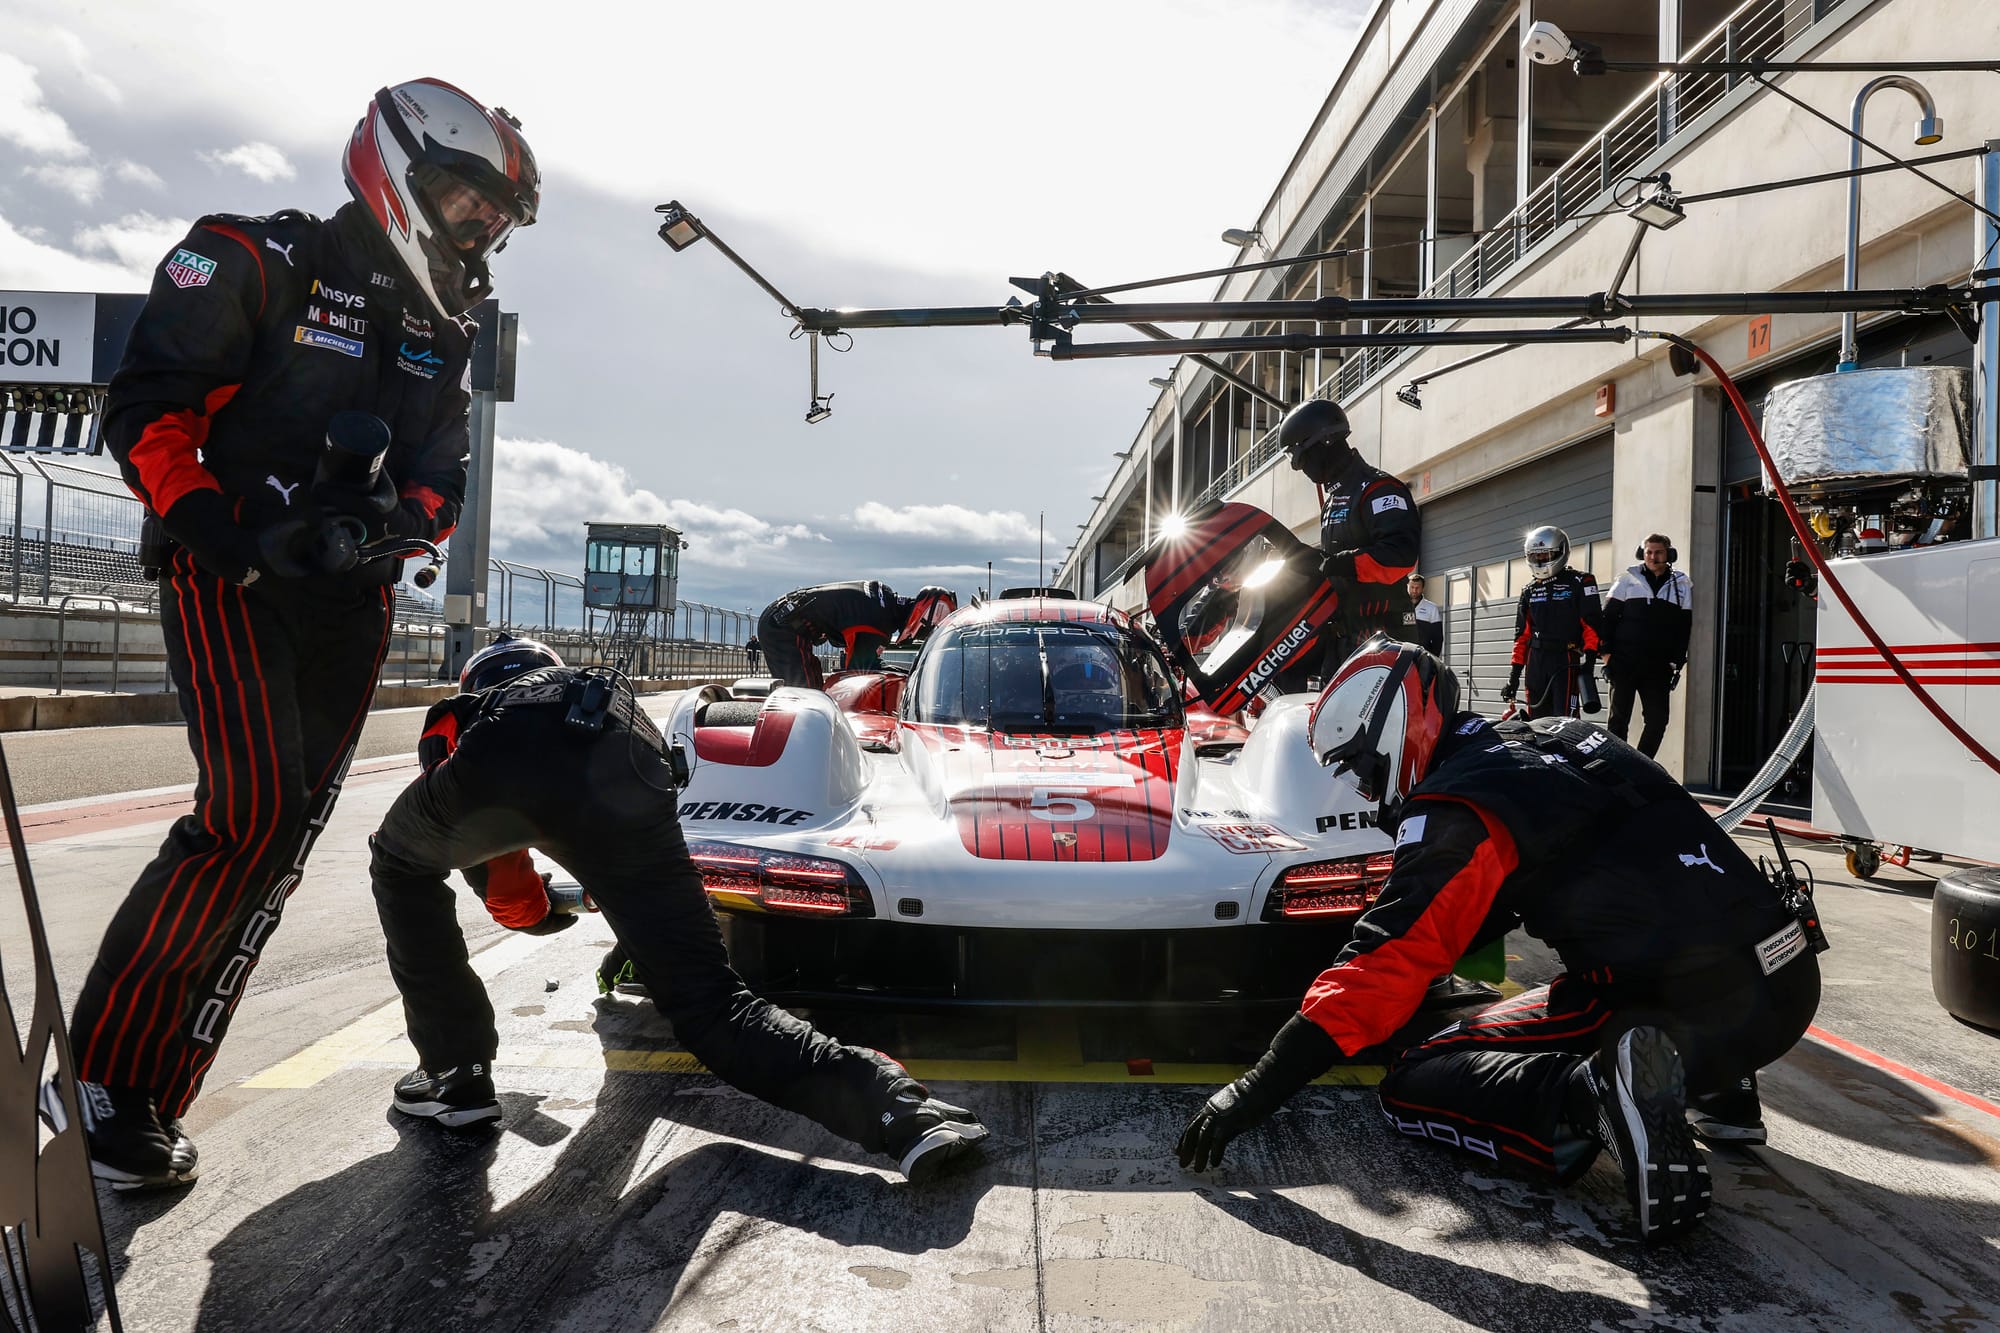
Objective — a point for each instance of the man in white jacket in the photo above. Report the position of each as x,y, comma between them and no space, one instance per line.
1647,618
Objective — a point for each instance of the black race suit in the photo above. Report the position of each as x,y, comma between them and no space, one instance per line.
256,332
1369,539
1657,916
1557,618
860,616
602,806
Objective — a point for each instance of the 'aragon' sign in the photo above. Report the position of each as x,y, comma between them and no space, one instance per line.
45,337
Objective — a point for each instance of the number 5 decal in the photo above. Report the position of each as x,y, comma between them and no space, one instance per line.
1060,805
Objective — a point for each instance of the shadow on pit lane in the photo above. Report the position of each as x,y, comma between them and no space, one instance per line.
1887,1109
446,1231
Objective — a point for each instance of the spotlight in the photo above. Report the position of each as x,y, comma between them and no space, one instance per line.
821,409
1408,395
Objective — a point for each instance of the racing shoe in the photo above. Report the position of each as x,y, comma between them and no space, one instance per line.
1633,1098
129,1148
927,1137
457,1098
1731,1118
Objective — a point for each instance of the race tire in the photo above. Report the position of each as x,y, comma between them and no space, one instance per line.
1965,946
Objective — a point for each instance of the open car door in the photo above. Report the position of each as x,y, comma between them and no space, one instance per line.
1234,598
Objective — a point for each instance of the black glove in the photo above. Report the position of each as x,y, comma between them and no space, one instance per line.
1513,686
204,521
1338,565
1674,676
297,548
1300,1053
374,508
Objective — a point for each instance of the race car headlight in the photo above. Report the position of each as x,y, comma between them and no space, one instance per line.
753,880
1328,888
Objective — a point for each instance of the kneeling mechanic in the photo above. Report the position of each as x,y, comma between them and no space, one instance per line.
1685,970
534,754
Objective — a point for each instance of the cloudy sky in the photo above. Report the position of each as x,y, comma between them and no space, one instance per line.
879,153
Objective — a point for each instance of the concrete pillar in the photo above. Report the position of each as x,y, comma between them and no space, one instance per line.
1653,478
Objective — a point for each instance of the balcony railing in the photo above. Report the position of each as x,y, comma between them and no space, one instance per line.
1760,29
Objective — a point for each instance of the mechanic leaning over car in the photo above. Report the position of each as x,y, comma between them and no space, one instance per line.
536,754
258,331
1684,970
861,616
1558,630
1369,537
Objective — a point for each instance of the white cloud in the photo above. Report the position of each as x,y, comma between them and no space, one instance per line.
25,121
137,241
138,173
544,494
78,56
31,264
259,161
946,522
81,182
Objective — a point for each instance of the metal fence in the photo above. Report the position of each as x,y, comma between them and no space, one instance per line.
70,534
1759,30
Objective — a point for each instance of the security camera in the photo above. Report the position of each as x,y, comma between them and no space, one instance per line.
1546,44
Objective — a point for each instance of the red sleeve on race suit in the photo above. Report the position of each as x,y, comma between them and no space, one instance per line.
187,355
1523,626
443,724
1590,616
515,895
1451,859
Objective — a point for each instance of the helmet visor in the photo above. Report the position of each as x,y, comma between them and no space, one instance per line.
468,220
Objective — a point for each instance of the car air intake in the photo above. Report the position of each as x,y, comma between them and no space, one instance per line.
754,880
1328,888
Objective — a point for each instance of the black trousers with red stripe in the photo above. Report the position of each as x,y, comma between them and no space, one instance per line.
274,681
1494,1084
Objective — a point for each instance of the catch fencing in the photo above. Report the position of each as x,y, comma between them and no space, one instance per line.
69,535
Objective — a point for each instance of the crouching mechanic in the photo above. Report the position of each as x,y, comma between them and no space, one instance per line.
1684,971
536,754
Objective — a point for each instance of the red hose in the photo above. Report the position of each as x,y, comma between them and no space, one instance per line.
1812,550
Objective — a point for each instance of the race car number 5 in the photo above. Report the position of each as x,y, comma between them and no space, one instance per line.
1060,805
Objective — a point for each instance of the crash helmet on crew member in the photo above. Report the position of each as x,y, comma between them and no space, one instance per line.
1547,550
446,180
927,611
1314,437
503,659
1379,720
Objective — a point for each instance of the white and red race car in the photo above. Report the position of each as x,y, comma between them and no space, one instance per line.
1026,818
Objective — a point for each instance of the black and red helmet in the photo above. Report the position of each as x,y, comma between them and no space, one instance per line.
1381,717
447,181
502,660
928,610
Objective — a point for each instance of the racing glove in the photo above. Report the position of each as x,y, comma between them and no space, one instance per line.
1513,685
373,508
1338,565
298,547
1674,676
1300,1053
517,895
204,521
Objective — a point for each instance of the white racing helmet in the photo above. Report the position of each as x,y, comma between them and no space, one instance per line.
1378,722
446,180
1547,550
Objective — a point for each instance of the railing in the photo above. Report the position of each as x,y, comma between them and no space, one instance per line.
62,632
1758,30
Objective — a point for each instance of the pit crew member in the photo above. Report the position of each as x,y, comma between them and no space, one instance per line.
1558,628
860,616
504,763
1647,619
257,332
1369,535
1684,970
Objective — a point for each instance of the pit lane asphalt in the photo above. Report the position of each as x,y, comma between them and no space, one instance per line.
627,1192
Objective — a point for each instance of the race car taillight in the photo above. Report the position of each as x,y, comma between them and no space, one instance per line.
748,878
1328,888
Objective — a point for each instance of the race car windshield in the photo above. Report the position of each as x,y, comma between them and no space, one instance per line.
1065,678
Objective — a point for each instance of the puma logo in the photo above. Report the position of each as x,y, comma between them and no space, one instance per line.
285,250
286,491
1692,861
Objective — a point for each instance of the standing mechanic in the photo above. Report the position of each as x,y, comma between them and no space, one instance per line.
862,616
1369,536
504,762
1684,968
256,332
1558,629
1647,620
